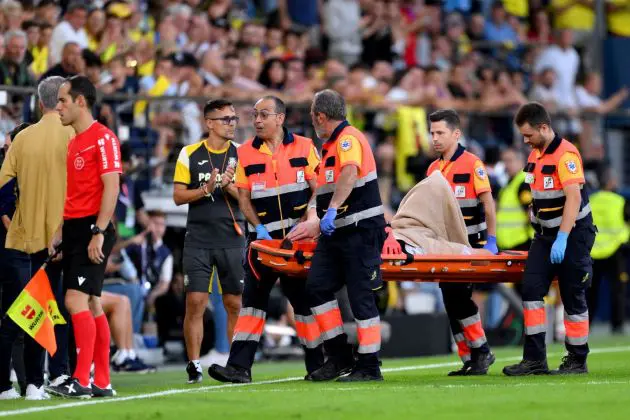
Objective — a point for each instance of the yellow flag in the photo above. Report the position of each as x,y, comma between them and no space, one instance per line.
36,312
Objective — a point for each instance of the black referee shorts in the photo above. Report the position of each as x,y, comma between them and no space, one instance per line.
79,272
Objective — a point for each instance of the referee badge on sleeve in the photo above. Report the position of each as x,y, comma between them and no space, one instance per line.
346,145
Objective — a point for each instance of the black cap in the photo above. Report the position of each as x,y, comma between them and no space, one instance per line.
184,59
45,3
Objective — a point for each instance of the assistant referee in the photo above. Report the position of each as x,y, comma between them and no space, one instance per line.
93,183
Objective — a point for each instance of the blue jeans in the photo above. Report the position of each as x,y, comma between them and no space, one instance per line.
135,293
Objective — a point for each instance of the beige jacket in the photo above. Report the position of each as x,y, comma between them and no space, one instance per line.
429,217
37,158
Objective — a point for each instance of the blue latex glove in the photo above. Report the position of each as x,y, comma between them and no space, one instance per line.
327,224
559,247
261,232
491,245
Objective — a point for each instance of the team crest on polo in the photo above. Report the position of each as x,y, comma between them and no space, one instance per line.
480,172
346,145
571,166
79,163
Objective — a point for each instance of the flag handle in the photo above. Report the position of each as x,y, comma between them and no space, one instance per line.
52,256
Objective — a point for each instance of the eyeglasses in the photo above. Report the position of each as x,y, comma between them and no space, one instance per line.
225,120
263,114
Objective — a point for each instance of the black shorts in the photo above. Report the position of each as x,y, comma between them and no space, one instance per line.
79,273
200,265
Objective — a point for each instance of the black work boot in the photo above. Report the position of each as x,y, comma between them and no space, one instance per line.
463,370
230,373
571,364
527,367
362,375
481,364
333,368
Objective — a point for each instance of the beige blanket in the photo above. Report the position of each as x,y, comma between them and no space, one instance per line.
429,217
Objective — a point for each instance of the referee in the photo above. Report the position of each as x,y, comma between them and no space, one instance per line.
214,229
93,183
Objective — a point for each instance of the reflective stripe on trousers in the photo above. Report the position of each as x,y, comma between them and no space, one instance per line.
308,331
577,328
463,350
328,318
250,324
535,317
473,331
369,334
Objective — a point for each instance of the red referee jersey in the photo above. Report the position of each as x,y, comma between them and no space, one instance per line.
93,153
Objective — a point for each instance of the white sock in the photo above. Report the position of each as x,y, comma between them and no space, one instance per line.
121,356
197,364
132,354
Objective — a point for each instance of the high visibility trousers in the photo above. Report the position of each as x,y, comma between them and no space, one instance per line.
351,258
614,269
574,277
259,280
463,316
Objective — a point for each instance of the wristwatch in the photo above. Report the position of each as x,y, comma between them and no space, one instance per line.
97,230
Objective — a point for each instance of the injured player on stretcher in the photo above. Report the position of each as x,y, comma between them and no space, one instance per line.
429,221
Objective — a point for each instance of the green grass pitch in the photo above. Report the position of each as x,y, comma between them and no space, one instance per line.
413,388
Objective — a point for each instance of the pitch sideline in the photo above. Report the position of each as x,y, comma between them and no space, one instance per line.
273,381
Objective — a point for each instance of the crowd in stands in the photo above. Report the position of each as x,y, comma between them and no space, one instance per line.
478,56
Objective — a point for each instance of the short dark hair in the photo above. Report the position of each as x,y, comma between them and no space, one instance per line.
81,85
449,116
13,133
215,105
28,24
278,104
156,213
231,56
533,113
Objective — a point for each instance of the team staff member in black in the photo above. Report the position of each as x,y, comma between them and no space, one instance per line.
93,183
214,237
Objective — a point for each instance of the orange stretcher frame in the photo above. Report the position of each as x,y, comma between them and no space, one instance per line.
506,267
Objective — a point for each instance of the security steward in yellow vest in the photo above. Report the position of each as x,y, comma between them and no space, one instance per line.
561,216
276,180
349,250
610,214
514,230
469,180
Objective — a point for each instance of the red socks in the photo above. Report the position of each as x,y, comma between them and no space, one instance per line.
92,338
85,336
101,352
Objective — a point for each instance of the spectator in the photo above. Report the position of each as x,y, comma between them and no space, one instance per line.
498,28
40,51
544,90
211,67
13,15
618,14
180,15
296,86
94,28
274,43
342,27
130,213
377,36
576,16
13,66
565,61
198,35
71,29
273,74
118,311
540,29
301,12
589,101
31,28
47,12
71,62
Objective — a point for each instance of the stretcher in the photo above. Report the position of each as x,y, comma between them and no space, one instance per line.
294,259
